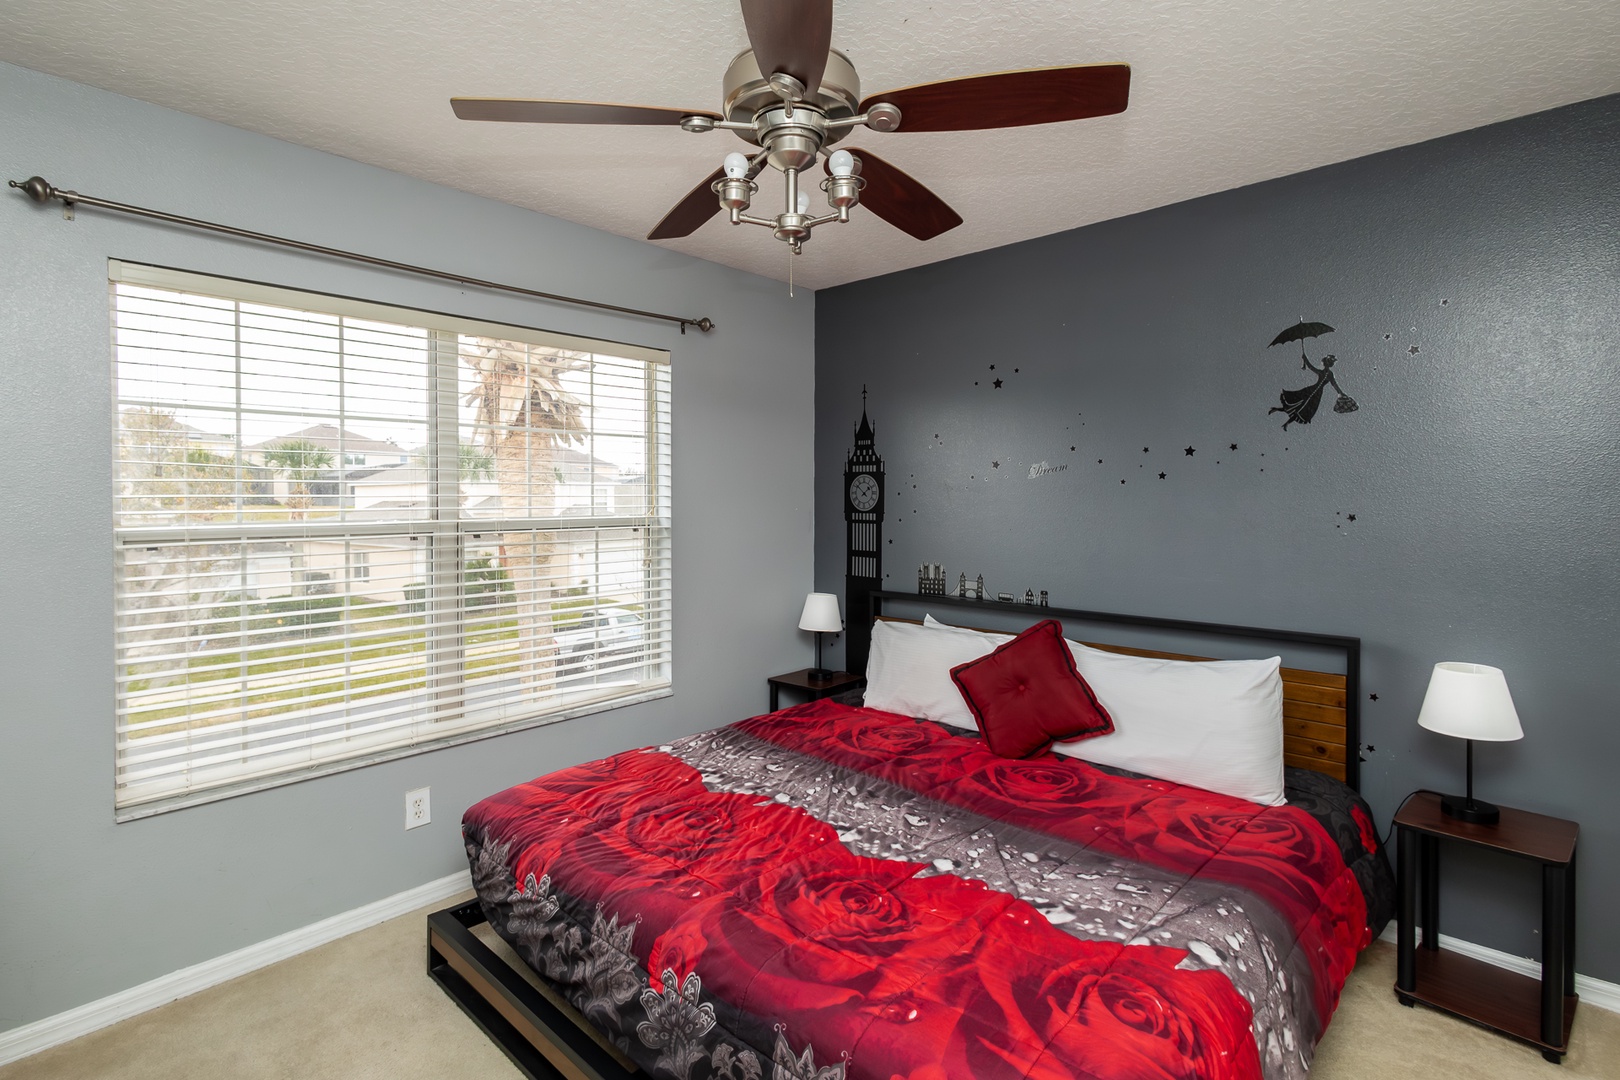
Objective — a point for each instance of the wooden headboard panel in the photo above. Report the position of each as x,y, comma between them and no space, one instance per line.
1321,715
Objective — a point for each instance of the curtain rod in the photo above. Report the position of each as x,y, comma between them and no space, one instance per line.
36,188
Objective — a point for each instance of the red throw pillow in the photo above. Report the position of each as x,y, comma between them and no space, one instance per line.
1028,694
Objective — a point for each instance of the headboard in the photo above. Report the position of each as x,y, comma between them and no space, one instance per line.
1321,710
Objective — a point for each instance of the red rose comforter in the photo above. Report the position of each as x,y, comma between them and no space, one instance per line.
835,892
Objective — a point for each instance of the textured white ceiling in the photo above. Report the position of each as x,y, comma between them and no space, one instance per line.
1222,94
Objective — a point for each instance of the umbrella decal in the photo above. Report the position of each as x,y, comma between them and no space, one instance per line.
1299,332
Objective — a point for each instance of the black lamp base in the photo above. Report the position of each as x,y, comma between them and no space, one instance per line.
819,673
1475,811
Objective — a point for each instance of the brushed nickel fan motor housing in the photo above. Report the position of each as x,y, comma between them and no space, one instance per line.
789,142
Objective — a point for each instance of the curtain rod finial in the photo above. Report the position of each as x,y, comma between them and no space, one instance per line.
35,188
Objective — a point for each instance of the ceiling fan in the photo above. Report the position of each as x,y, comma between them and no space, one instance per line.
795,97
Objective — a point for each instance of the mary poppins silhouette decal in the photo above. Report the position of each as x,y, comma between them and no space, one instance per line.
1301,405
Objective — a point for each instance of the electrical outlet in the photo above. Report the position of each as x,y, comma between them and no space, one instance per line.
418,811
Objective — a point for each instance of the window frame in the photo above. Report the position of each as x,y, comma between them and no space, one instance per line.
447,531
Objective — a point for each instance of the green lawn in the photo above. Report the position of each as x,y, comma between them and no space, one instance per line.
304,635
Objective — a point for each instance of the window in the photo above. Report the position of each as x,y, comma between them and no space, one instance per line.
345,532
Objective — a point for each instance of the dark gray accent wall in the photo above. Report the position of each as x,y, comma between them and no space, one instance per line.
1468,510
89,907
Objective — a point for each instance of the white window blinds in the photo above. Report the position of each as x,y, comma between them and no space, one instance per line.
345,532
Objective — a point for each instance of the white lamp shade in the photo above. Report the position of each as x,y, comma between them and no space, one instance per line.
821,613
1470,701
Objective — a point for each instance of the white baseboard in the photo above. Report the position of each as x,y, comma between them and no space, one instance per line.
52,1030
1597,992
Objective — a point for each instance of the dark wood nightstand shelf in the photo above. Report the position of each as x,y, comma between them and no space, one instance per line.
813,688
1537,1012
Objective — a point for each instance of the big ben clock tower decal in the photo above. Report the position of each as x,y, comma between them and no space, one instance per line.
863,519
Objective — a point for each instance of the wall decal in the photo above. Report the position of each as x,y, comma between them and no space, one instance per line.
1300,405
1045,468
863,540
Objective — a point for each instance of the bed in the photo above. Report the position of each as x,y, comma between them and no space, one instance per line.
835,891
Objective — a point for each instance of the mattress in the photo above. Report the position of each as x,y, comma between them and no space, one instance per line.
836,892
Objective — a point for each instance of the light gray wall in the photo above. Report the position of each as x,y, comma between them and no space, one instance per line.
1482,469
88,907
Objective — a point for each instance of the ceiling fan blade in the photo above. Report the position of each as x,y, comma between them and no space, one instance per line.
531,111
686,216
790,36
1011,98
902,200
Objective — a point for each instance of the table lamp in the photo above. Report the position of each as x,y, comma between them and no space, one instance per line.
821,616
1470,701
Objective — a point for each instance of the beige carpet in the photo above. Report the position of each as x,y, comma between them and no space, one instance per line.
363,1007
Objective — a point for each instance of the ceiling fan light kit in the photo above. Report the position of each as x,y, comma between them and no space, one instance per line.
795,97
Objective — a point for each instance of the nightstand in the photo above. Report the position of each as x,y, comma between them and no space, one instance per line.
1539,1013
813,689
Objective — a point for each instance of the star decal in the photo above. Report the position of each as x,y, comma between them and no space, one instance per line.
995,464
1352,517
1161,476
998,384
1414,350
1373,697
1144,449
1190,451
992,367
1234,446
1071,449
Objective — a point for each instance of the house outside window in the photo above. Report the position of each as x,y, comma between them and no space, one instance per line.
346,532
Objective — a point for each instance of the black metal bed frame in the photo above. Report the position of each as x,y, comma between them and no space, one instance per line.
542,1041
546,1043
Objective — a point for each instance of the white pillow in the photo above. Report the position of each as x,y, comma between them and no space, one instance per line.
909,670
994,638
1213,724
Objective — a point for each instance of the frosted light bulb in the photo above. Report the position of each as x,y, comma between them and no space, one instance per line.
804,201
736,165
842,163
